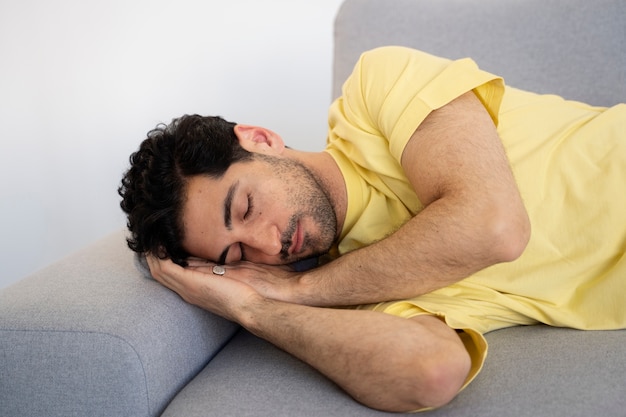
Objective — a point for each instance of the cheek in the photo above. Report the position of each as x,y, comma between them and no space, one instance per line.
272,199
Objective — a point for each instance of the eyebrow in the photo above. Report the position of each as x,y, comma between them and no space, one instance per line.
228,203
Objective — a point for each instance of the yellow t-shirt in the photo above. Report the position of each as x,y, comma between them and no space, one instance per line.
569,160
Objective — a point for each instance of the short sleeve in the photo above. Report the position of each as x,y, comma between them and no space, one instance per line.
393,89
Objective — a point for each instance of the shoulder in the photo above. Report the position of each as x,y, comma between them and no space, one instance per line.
393,61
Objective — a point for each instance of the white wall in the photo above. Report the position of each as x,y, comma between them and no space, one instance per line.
82,81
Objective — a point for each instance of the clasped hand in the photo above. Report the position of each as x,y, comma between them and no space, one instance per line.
226,295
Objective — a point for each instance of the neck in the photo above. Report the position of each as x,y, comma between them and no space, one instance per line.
326,170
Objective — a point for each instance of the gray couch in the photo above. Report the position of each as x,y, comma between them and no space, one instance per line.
93,335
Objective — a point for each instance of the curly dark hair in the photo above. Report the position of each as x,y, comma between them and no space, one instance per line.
153,189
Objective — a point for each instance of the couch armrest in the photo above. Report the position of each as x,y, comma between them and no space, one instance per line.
94,335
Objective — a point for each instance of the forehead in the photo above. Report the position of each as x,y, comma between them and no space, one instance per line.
201,190
201,214
205,194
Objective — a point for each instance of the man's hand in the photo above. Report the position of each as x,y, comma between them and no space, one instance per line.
222,295
274,282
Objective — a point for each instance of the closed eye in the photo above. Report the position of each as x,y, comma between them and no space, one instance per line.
250,207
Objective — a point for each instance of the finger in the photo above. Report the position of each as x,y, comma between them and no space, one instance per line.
156,271
153,265
206,269
166,272
193,261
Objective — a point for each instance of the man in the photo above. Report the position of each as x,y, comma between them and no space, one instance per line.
424,200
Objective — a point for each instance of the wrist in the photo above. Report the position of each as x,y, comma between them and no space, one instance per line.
302,290
251,314
314,289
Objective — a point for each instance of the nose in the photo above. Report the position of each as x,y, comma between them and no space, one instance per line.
262,241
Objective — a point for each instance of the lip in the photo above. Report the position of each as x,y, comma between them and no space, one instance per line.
297,241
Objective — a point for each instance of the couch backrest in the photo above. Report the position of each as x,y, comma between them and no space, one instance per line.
574,48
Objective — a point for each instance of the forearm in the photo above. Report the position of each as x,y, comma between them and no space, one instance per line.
423,255
383,361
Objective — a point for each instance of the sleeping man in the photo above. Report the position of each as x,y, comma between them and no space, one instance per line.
444,206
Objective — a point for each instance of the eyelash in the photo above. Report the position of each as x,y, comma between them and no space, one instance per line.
250,207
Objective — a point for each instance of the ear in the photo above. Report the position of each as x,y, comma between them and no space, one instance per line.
259,139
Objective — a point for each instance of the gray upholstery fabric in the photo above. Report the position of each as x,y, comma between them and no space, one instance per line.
574,48
544,371
93,336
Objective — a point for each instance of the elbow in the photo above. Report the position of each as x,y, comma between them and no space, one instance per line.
427,386
509,234
443,381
